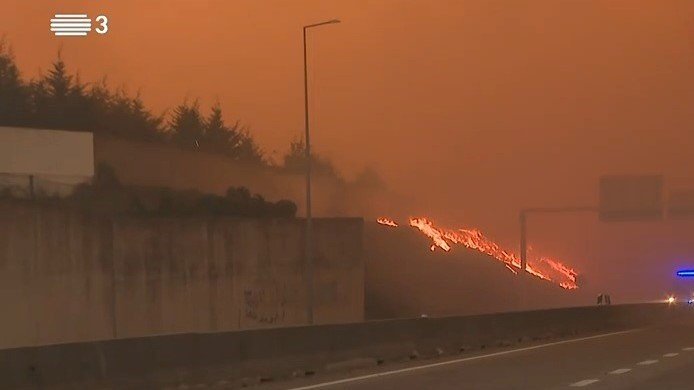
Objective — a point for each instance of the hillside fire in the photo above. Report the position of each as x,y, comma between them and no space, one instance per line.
387,222
543,267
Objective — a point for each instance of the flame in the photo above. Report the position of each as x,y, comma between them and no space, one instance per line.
511,269
543,268
387,222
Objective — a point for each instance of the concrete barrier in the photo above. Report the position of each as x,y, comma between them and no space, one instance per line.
72,276
271,354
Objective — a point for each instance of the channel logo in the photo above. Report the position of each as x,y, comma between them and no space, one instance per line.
71,25
77,25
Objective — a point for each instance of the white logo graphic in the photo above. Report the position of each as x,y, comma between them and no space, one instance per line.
77,25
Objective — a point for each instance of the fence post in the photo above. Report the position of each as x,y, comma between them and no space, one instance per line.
31,187
114,280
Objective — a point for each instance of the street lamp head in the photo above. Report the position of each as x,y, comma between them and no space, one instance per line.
332,21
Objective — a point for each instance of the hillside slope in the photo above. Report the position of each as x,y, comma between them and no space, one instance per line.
404,278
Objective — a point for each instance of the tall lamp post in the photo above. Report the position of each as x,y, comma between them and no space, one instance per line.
308,249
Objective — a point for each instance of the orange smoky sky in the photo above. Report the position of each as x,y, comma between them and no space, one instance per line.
470,108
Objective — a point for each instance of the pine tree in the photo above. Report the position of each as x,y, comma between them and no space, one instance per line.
218,136
247,150
187,125
141,123
235,141
60,100
15,106
58,82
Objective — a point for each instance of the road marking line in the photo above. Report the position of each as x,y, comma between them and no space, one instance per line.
495,354
672,354
688,349
647,362
584,382
620,371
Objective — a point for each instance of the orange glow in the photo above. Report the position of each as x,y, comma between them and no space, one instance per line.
543,268
387,222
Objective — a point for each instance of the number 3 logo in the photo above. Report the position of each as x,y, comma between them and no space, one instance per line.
103,24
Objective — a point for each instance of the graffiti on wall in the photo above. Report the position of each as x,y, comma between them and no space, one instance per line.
266,305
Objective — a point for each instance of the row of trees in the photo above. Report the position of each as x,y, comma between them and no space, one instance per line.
61,100
106,194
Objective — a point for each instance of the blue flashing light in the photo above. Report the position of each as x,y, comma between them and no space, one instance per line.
687,273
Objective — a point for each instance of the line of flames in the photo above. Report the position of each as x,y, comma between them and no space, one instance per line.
544,268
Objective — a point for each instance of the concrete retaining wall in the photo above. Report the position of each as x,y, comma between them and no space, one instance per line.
206,359
69,277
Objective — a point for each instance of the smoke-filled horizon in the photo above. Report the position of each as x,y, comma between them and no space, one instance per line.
471,110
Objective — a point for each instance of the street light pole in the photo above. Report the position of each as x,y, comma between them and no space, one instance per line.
308,248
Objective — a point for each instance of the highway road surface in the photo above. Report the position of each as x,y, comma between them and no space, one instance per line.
643,359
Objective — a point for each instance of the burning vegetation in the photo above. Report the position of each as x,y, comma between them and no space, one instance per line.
543,267
387,222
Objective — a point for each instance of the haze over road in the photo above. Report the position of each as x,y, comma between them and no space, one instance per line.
469,109
643,359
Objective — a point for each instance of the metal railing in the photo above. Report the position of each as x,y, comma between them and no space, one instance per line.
30,186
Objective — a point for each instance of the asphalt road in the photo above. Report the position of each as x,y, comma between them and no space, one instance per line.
646,359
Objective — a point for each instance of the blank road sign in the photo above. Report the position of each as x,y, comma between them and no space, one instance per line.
626,198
